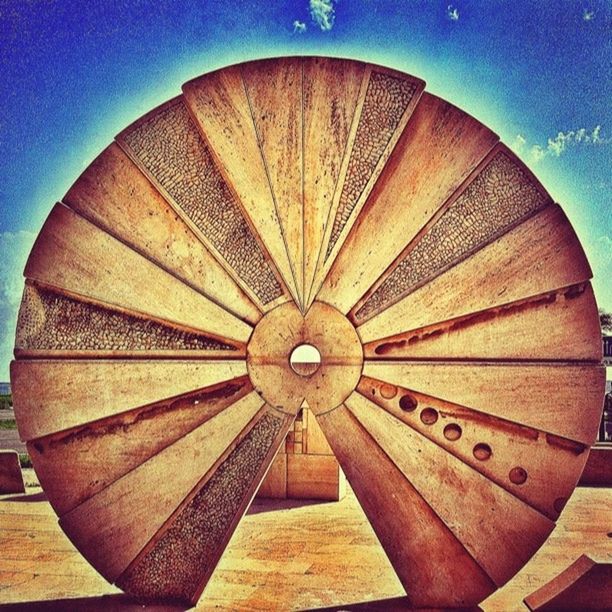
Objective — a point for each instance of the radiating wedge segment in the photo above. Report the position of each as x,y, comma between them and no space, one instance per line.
498,196
562,399
439,140
220,107
70,253
432,564
483,516
331,88
51,322
75,464
169,148
274,91
180,560
565,323
52,396
386,103
541,255
114,194
113,526
540,468
385,108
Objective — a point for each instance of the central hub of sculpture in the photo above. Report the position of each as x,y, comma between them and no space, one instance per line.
316,358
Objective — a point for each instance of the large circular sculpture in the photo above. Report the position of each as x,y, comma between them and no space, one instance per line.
335,204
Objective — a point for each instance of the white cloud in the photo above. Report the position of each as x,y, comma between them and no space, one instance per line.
452,12
588,15
14,250
557,146
323,13
299,27
604,248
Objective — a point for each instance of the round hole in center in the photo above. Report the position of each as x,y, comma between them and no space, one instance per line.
305,359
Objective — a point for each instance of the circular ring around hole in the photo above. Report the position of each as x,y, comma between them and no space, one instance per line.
305,359
482,451
452,432
518,475
408,403
429,416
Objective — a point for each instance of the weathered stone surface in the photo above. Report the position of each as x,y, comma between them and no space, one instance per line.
175,567
169,146
387,97
500,197
49,320
11,480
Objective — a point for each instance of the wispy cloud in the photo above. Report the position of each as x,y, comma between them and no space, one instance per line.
299,27
14,250
559,144
452,12
323,13
588,15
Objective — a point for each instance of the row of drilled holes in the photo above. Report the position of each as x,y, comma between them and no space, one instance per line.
452,432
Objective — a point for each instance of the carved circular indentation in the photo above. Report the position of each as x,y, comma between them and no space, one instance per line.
518,475
429,416
388,391
482,451
305,359
324,385
452,432
408,403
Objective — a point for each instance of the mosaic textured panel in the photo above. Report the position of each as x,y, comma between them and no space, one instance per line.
386,100
172,150
189,550
49,320
500,197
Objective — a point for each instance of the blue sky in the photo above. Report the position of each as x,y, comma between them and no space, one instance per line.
75,73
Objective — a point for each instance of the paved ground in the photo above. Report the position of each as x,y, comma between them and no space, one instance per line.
283,556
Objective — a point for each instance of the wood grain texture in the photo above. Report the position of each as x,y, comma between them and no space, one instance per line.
274,92
330,89
52,396
220,108
561,399
404,523
77,463
115,195
565,323
541,255
539,468
439,140
114,525
70,253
